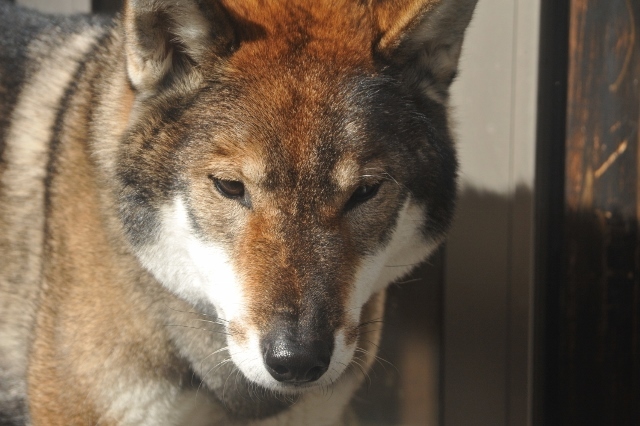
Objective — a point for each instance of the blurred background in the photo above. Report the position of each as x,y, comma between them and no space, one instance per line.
530,314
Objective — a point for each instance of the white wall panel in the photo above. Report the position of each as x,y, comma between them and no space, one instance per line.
488,278
58,6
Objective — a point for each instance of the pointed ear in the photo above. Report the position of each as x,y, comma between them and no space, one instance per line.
423,38
164,39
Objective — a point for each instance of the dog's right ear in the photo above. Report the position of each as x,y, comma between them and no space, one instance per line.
166,40
423,40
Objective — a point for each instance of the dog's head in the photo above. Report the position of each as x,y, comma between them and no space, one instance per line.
285,161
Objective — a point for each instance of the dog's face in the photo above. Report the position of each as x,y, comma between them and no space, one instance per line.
286,180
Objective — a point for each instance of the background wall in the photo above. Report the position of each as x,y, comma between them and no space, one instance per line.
58,6
488,267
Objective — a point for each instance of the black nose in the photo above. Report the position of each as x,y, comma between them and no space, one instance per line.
295,361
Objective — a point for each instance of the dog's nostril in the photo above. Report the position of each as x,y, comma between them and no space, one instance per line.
316,372
281,370
295,362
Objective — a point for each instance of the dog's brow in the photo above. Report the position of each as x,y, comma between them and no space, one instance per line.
241,166
348,172
345,173
254,169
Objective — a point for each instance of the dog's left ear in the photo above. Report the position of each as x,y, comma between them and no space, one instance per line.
423,39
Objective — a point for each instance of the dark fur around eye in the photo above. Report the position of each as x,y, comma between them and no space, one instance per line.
362,194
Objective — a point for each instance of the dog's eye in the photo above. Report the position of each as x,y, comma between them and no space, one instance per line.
233,189
363,193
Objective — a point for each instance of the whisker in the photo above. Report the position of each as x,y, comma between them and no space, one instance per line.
199,328
193,312
363,360
403,266
375,358
236,370
332,386
369,331
354,360
413,280
371,343
221,363
224,387
369,322
378,358
213,353
210,321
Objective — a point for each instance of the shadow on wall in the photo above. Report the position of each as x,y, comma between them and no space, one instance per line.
477,274
487,289
403,386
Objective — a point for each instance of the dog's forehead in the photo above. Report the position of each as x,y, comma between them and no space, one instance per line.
286,135
298,106
298,129
341,26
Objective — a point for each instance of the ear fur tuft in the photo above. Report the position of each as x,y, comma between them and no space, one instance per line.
165,38
424,39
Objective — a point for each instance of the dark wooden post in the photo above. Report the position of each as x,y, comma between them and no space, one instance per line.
601,304
592,371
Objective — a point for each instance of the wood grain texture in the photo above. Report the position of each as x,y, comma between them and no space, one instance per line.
599,356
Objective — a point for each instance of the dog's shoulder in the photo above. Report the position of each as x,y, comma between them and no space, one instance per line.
38,56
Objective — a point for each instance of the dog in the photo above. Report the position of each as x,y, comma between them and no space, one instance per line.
203,201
